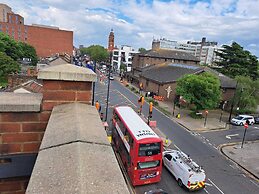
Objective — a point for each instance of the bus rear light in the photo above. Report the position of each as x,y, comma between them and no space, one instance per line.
157,173
135,168
188,184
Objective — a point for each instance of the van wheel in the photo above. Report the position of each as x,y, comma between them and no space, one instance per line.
180,183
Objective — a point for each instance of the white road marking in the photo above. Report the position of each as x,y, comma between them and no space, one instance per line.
254,183
127,99
177,147
210,144
206,190
207,140
207,184
229,136
216,186
243,175
231,166
256,127
215,147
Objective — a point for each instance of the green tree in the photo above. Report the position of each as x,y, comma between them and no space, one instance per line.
7,66
201,90
236,61
96,52
142,50
28,51
9,47
247,94
17,50
123,67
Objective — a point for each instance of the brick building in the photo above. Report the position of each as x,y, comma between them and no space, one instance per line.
155,57
47,40
162,79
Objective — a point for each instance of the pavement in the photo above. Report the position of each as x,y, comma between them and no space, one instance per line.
247,157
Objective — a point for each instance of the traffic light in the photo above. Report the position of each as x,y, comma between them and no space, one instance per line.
142,100
150,109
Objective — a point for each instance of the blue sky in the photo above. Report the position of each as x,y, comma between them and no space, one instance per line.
137,22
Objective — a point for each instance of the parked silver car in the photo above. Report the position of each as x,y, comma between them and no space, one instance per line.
241,120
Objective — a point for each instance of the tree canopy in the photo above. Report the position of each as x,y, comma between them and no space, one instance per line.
28,51
96,52
247,94
17,50
236,61
142,50
7,66
201,90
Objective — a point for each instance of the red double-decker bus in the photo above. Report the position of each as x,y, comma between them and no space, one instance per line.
139,147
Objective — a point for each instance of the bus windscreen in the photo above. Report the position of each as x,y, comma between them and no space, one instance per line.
152,164
149,149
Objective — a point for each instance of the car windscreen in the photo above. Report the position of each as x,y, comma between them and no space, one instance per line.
149,149
238,118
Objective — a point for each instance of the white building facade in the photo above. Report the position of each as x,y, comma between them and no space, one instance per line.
204,51
123,55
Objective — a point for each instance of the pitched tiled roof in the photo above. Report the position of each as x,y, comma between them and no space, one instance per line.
169,72
169,54
31,86
225,81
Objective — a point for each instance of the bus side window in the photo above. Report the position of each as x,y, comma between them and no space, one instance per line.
116,117
127,135
131,141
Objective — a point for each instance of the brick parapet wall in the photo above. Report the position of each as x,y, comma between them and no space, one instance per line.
23,125
14,185
22,132
62,92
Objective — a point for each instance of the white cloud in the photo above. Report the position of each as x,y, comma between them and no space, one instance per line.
136,24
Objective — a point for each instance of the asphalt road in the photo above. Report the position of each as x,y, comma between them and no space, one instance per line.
223,176
234,134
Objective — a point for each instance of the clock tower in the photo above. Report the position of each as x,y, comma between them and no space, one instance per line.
111,41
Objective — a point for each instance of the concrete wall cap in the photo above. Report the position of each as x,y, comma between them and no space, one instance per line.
67,72
77,168
20,102
74,122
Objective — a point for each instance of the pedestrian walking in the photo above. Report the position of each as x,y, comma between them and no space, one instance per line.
97,106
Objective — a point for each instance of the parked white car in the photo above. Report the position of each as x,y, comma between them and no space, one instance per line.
184,169
241,120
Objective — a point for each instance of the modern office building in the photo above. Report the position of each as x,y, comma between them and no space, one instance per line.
203,50
47,40
123,54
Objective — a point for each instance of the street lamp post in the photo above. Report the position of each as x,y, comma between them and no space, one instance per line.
245,126
94,84
232,105
206,116
108,90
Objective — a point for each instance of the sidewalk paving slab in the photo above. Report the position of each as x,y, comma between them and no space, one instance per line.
246,157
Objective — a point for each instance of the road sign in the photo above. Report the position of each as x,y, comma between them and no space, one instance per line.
245,125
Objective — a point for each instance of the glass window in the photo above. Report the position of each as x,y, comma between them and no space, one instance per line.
168,157
152,164
149,149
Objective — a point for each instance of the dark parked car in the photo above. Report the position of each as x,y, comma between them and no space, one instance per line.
256,120
156,191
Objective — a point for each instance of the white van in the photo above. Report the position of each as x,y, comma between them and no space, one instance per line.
241,120
184,169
